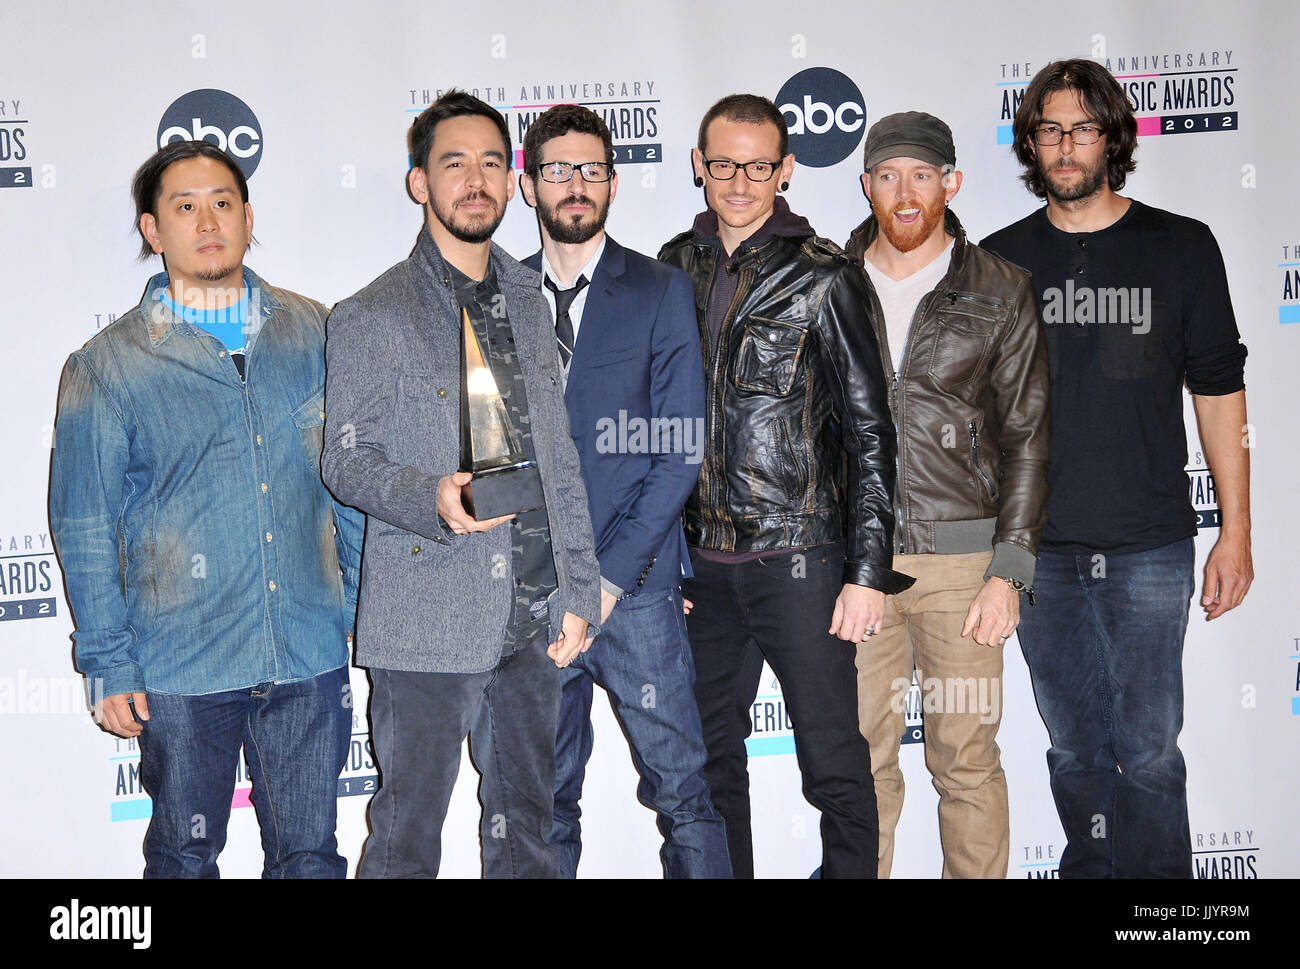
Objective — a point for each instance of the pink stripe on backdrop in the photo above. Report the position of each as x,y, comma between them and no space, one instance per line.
241,797
1148,126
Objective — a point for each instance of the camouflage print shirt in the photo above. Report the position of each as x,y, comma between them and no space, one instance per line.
530,538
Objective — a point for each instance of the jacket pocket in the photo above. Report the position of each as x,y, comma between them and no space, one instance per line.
983,476
768,359
791,473
966,325
310,419
611,357
423,430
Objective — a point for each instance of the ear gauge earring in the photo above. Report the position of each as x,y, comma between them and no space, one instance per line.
785,186
699,182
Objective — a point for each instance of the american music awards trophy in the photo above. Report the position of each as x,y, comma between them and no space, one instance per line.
505,482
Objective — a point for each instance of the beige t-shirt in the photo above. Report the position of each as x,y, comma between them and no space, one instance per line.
899,299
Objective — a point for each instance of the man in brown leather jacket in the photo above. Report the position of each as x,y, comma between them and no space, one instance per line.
790,544
959,330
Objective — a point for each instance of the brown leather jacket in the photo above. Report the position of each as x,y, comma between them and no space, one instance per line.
970,404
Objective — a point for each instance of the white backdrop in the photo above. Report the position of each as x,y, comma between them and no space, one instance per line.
83,88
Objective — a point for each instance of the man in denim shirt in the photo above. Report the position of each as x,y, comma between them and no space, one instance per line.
201,550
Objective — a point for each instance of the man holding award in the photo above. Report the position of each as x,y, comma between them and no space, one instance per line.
445,424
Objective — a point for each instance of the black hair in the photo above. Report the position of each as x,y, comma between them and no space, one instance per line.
561,120
453,104
147,184
751,109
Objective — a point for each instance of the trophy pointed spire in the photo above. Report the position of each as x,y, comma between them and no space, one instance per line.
505,480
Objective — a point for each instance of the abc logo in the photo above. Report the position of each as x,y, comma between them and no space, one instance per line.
825,113
218,117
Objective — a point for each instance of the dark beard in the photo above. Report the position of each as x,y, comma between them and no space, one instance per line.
476,231
1087,186
216,275
568,230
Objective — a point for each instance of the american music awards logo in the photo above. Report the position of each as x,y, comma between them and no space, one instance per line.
1295,655
1204,497
14,126
360,775
1222,853
1174,93
1225,853
1041,860
1288,310
28,576
771,731
629,106
129,801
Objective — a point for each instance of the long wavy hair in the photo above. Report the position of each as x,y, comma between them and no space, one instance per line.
1102,98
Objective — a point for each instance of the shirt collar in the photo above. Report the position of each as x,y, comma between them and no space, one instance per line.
162,322
588,270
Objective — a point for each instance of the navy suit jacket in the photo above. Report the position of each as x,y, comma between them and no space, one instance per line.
635,398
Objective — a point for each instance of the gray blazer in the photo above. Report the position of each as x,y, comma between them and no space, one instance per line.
432,601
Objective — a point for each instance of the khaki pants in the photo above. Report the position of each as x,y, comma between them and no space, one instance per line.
961,693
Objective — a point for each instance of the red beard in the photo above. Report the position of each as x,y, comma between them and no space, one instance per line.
905,238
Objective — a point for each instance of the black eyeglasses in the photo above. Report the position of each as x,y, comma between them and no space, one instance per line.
1081,134
723,169
558,171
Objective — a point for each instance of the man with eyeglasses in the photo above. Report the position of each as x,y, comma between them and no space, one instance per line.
1135,304
630,355
790,544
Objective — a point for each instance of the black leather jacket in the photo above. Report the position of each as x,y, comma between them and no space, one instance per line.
794,389
970,400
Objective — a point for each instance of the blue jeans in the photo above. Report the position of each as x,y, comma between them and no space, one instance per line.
1104,644
295,738
642,657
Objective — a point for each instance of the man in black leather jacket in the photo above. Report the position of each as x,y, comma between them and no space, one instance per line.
960,332
790,524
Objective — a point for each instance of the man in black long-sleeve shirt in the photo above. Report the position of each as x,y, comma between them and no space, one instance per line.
1135,302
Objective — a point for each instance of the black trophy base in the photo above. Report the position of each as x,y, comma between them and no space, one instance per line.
504,491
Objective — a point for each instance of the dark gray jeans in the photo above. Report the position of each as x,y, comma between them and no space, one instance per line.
418,722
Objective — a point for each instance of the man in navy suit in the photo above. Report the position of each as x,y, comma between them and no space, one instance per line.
629,349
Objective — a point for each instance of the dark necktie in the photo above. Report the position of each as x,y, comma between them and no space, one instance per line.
563,325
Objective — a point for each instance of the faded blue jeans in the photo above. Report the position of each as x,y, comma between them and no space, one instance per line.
295,738
1104,644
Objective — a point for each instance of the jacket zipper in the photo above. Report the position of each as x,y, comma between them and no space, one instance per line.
896,405
715,401
976,298
975,461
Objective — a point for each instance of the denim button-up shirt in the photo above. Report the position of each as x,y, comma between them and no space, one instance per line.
200,547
